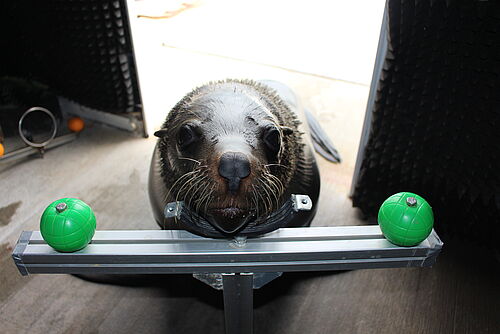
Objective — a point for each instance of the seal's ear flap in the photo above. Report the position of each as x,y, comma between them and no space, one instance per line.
286,130
161,133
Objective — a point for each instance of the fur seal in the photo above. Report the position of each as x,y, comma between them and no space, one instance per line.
234,151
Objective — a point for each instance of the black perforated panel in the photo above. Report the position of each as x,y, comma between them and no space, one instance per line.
81,49
436,121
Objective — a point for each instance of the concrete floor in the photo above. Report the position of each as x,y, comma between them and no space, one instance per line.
332,42
108,169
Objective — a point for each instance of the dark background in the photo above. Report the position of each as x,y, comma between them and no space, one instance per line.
81,50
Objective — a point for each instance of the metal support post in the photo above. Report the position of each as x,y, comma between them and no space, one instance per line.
238,303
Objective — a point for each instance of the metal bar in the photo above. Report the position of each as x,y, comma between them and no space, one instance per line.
21,245
125,122
27,151
289,249
222,252
283,234
159,268
238,303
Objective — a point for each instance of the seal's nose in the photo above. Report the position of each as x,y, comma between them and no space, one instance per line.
234,166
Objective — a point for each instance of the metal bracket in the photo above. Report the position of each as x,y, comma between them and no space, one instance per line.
301,203
215,279
173,209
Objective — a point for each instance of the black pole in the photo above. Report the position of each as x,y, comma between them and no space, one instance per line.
238,303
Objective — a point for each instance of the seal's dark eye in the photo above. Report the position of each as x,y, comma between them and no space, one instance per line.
187,136
271,138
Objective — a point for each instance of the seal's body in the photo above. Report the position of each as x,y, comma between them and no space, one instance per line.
233,152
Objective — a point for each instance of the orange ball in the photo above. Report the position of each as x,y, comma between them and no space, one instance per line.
2,150
76,124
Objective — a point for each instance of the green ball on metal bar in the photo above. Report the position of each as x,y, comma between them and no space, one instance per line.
406,219
68,224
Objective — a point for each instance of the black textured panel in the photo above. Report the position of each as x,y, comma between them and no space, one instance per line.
82,49
436,121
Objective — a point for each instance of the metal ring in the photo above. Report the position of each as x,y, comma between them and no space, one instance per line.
54,131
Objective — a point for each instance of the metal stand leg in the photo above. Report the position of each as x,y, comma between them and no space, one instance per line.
238,303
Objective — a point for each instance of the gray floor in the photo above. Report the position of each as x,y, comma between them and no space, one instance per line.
108,169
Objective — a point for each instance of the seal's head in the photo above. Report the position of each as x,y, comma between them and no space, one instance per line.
228,150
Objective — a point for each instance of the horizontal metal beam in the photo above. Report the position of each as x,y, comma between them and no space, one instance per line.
122,121
28,150
287,249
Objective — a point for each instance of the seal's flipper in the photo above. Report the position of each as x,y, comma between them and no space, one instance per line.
321,142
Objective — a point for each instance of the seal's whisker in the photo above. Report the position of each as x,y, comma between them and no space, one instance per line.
273,188
266,208
187,174
193,160
276,186
187,182
278,165
278,183
204,190
259,198
188,177
209,197
268,195
194,185
206,198
255,200
248,205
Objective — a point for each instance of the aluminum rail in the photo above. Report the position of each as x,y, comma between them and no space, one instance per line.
180,252
28,150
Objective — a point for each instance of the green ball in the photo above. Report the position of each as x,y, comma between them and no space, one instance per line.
68,224
406,219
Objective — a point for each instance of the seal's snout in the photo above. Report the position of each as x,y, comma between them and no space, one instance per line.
234,166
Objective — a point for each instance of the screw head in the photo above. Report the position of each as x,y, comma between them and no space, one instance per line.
411,201
304,201
170,209
61,207
240,241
